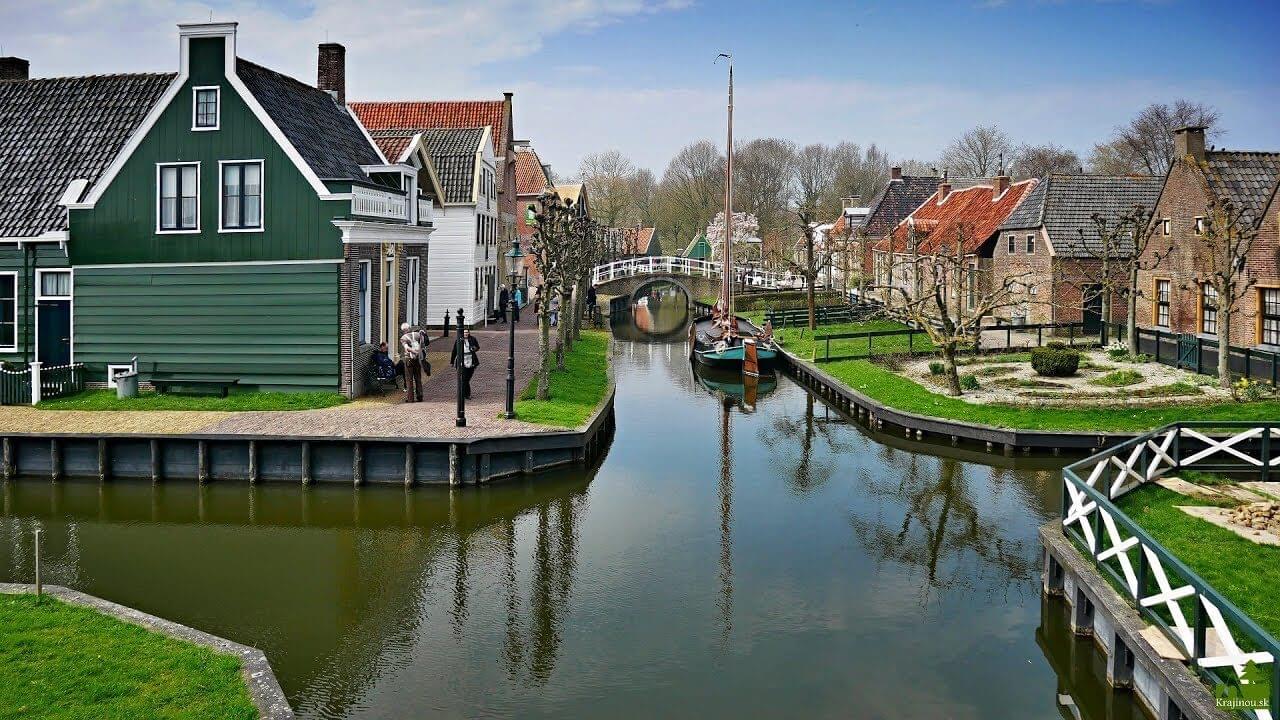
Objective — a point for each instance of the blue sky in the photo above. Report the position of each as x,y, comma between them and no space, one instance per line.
637,75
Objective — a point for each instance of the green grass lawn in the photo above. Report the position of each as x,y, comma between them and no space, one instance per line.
1244,572
898,392
801,340
577,390
72,663
235,401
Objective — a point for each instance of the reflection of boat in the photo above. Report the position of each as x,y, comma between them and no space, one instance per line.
722,339
734,387
643,302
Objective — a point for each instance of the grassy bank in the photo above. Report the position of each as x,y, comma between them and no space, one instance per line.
62,661
576,391
1243,571
801,340
235,401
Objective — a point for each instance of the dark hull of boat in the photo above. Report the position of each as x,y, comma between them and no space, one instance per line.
730,358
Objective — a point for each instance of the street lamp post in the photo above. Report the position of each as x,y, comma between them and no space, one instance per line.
459,352
514,257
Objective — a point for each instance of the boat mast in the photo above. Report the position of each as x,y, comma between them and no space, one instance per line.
727,271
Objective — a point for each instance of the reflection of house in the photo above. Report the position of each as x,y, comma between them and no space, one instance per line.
225,221
1176,297
968,218
1052,243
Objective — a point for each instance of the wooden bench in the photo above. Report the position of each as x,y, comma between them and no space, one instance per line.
163,381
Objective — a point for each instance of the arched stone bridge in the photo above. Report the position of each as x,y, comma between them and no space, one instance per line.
698,278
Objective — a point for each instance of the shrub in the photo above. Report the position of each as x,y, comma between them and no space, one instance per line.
968,382
1118,350
1250,390
1119,378
1055,360
937,368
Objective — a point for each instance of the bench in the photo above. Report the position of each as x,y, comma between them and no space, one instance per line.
163,381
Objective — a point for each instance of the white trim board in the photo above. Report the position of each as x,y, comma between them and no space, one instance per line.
217,108
108,266
262,196
178,211
71,311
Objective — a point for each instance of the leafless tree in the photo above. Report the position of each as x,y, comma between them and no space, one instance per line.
1109,260
762,185
1037,161
811,261
553,223
977,152
858,173
815,175
643,188
1145,145
691,191
1219,254
951,295
608,178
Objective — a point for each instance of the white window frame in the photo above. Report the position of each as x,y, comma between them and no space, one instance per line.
160,231
388,297
412,293
1166,227
112,368
262,196
1031,244
71,307
217,113
364,311
16,296
1197,225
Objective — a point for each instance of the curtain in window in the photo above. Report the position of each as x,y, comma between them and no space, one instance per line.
55,284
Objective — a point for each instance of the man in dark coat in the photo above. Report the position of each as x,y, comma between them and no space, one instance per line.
470,360
504,296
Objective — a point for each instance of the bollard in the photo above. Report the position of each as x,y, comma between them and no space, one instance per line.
446,324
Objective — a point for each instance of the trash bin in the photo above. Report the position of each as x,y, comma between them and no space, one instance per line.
127,384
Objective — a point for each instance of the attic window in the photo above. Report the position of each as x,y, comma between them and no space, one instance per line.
1199,226
204,109
1166,226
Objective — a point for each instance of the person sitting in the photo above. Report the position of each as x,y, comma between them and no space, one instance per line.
383,366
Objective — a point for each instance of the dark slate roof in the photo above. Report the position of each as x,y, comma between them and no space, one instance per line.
453,152
323,132
898,199
55,130
1064,204
1249,179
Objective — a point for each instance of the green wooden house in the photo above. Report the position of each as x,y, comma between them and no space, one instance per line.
233,223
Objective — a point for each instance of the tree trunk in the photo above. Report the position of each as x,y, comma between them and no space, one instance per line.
561,334
809,298
1224,341
953,373
544,352
1131,322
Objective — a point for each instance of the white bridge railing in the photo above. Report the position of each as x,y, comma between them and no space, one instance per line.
691,267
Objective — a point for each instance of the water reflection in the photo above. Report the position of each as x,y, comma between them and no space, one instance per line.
1082,691
762,558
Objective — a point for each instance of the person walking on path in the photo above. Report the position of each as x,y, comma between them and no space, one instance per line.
519,297
504,297
470,360
591,302
424,342
411,349
555,310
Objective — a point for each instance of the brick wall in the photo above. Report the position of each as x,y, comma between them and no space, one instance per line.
354,352
1183,199
1034,269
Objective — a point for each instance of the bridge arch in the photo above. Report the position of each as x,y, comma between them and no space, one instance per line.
651,280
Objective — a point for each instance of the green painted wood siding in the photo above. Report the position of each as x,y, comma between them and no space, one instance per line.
121,228
46,256
268,325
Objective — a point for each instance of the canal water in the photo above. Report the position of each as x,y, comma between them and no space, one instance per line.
818,571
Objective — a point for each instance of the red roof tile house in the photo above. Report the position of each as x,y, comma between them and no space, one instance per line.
1178,297
970,216
533,178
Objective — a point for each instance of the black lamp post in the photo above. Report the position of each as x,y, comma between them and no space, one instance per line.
459,352
514,260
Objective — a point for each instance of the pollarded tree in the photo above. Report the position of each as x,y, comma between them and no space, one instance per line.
808,260
951,295
549,249
1220,255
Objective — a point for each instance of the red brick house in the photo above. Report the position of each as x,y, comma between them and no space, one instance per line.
533,177
902,195
1051,244
1177,298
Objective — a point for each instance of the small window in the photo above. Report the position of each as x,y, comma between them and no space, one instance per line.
9,311
1199,226
1166,227
1162,303
205,108
1033,290
1270,315
1031,244
179,198
242,196
1013,245
1208,309
54,285
366,281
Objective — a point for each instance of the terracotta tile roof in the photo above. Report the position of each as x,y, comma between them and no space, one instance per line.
393,146
973,211
531,177
441,114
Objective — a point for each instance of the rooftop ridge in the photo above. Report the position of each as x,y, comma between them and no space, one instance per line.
99,76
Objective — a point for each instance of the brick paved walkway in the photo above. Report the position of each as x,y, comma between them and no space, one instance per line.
377,416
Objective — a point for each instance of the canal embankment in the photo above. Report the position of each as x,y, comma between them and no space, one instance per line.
69,651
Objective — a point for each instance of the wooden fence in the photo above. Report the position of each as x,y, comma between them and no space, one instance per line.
1199,354
926,346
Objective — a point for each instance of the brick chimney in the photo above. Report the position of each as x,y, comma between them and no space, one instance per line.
999,185
895,173
14,68
331,71
1189,140
944,189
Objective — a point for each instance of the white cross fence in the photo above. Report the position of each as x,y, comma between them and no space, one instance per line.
691,267
1165,591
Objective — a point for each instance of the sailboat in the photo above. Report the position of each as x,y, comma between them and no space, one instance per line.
722,339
